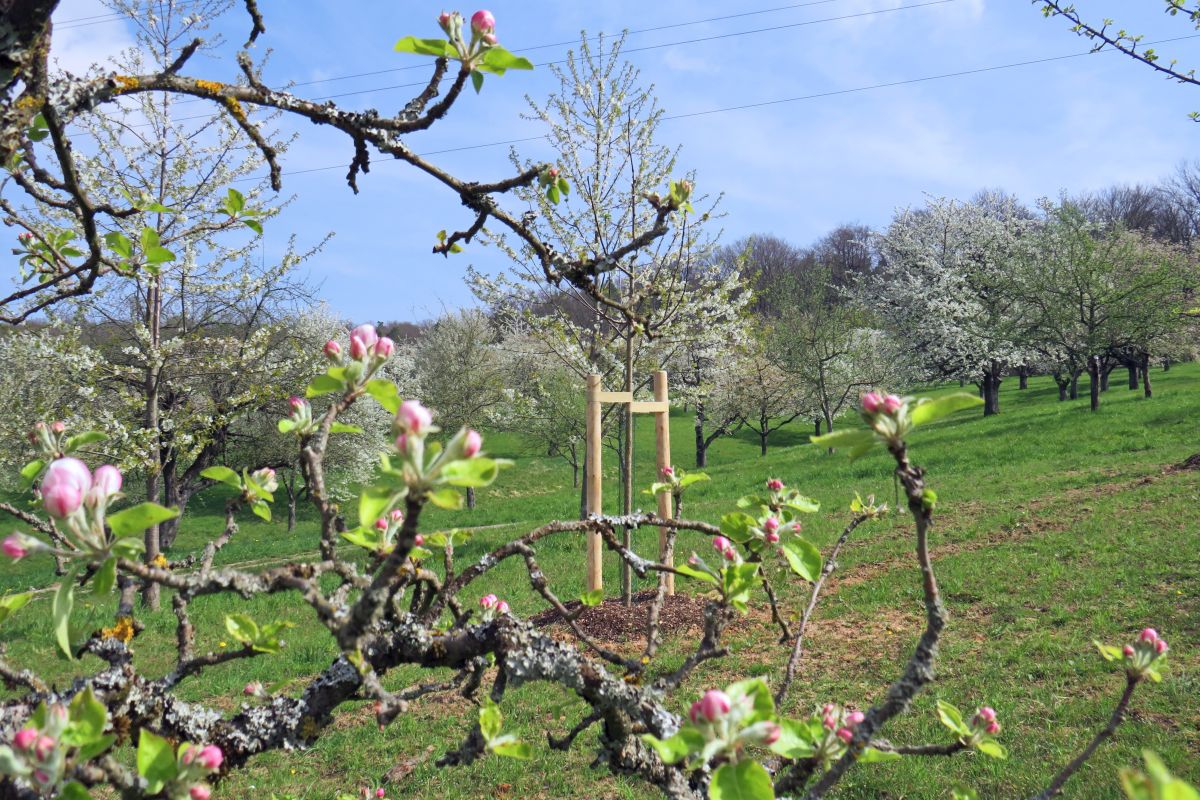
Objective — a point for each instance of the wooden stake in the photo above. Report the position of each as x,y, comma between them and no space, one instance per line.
662,437
595,563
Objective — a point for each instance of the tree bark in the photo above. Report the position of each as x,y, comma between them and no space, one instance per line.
817,426
701,445
1094,382
1146,377
1104,380
627,484
1166,365
762,443
1133,374
150,593
470,497
1023,378
991,391
1074,384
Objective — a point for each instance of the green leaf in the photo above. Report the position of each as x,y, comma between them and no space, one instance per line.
11,603
64,600
490,719
253,225
1108,652
552,194
79,440
133,520
30,472
128,547
74,791
286,425
242,628
323,384
385,393
368,538
155,760
858,440
990,747
756,689
472,472
952,718
678,747
374,502
510,747
235,201
745,780
927,410
684,569
106,577
870,755
803,557
446,498
592,598
87,717
499,61
95,748
737,525
796,740
477,82
342,427
692,477
223,475
802,504
261,510
426,47
120,244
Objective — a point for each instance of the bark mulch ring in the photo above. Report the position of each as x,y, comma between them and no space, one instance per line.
613,621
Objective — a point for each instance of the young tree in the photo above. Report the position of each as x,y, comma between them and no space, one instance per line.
755,383
948,278
602,122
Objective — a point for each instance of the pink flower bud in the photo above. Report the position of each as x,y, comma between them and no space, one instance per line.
828,708
987,714
775,485
829,720
211,757
773,734
379,792
667,472
845,734
1149,635
488,601
297,403
402,444
199,792
384,348
253,689
553,172
1128,650
797,527
472,444
720,543
41,776
490,39
381,524
25,738
367,334
482,22
358,349
414,417
993,728
108,480
694,712
1160,647
63,488
694,559
729,553
892,403
44,748
444,19
418,540
855,717
14,547
502,607
714,704
772,537
58,426
332,350
396,515
872,402
771,524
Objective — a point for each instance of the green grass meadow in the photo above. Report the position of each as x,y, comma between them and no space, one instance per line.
1055,526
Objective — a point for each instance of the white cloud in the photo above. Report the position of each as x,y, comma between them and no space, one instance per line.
93,39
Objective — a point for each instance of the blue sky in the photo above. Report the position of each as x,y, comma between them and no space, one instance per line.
793,169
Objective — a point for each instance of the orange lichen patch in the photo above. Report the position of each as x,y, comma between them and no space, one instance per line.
127,83
212,87
27,102
122,631
160,561
235,108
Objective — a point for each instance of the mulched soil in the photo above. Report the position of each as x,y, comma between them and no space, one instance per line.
1191,462
613,621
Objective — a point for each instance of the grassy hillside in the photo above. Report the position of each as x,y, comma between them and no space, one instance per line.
1056,526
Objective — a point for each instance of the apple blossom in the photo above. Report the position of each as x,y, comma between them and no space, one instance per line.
872,402
211,757
358,348
63,488
775,485
892,403
25,738
366,334
413,417
472,443
199,792
714,704
332,350
58,426
771,524
44,747
482,22
396,515
14,547
502,607
384,347
107,480
488,601
381,524
418,540
667,472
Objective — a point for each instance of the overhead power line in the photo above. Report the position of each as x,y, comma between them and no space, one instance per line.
778,101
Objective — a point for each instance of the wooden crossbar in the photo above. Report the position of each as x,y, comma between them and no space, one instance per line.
660,407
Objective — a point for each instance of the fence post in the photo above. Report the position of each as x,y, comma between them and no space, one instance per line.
662,436
595,562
